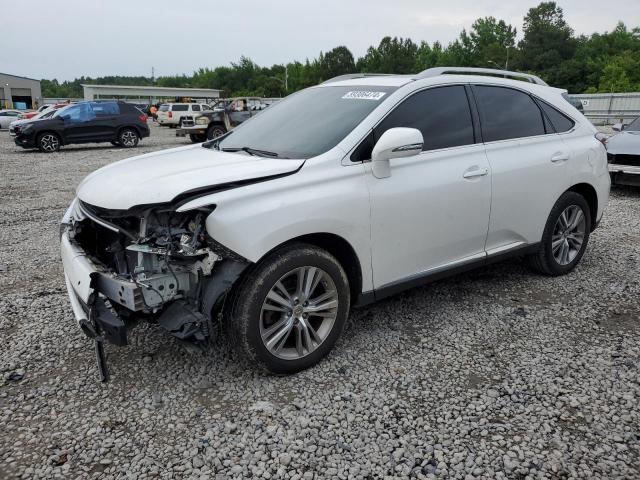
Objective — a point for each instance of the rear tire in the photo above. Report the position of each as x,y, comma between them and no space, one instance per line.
215,131
287,313
565,236
48,142
128,138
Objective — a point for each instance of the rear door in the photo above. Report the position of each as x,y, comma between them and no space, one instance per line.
108,118
528,164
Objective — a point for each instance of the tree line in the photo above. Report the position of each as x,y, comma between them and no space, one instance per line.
549,48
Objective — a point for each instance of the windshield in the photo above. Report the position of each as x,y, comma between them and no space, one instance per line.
634,126
308,123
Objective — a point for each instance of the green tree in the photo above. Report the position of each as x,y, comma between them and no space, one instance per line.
392,55
548,41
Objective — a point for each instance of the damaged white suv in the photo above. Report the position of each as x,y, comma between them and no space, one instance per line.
338,195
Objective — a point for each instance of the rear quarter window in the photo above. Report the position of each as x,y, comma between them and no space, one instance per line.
559,121
164,108
180,108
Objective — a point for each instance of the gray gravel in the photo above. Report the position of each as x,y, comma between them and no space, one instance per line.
498,373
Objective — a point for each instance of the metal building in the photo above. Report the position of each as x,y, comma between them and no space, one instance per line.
153,94
19,92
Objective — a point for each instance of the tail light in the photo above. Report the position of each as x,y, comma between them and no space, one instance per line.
143,117
170,114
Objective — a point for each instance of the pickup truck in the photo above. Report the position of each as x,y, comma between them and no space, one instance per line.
225,115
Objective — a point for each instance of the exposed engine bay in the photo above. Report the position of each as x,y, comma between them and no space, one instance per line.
153,263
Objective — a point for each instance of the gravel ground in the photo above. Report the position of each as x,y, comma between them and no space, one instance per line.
498,373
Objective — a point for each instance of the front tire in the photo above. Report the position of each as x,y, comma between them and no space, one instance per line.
215,131
565,236
289,310
128,138
199,138
48,142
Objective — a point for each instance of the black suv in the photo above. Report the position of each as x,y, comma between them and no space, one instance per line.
120,123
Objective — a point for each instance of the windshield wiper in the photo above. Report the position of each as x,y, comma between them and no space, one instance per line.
253,151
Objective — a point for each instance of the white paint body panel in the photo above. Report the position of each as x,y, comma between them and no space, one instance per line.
425,216
161,176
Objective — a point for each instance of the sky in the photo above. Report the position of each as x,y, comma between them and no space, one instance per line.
66,39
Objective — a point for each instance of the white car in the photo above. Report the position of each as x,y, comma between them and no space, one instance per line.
623,150
338,195
171,113
8,116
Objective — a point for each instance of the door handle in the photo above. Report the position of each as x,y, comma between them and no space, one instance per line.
559,157
476,172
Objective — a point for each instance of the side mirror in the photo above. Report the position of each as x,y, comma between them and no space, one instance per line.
394,143
618,127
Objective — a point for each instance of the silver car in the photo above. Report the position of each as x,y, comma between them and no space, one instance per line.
8,116
623,151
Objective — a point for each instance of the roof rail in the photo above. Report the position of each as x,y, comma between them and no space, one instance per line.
434,72
349,76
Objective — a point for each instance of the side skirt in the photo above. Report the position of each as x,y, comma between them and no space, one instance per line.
366,298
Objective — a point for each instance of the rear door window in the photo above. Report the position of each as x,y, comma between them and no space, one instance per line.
506,113
105,109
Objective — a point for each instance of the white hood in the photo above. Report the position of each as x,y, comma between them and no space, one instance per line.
624,143
161,176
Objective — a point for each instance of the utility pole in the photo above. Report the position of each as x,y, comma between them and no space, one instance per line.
153,75
286,78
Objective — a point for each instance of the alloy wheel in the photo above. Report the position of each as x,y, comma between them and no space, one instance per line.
568,235
298,313
50,142
128,138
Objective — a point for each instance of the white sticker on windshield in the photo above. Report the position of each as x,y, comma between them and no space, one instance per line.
364,95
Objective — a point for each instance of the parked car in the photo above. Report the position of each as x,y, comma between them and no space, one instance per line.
120,123
46,113
8,116
338,195
623,151
171,113
225,116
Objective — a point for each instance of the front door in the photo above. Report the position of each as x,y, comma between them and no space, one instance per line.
432,213
78,123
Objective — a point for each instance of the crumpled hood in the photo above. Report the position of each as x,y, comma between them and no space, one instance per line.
161,176
624,143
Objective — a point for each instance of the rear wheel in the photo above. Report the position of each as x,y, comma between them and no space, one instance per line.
48,142
128,138
215,131
565,236
288,312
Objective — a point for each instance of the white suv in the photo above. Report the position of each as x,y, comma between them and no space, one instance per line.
171,113
338,195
